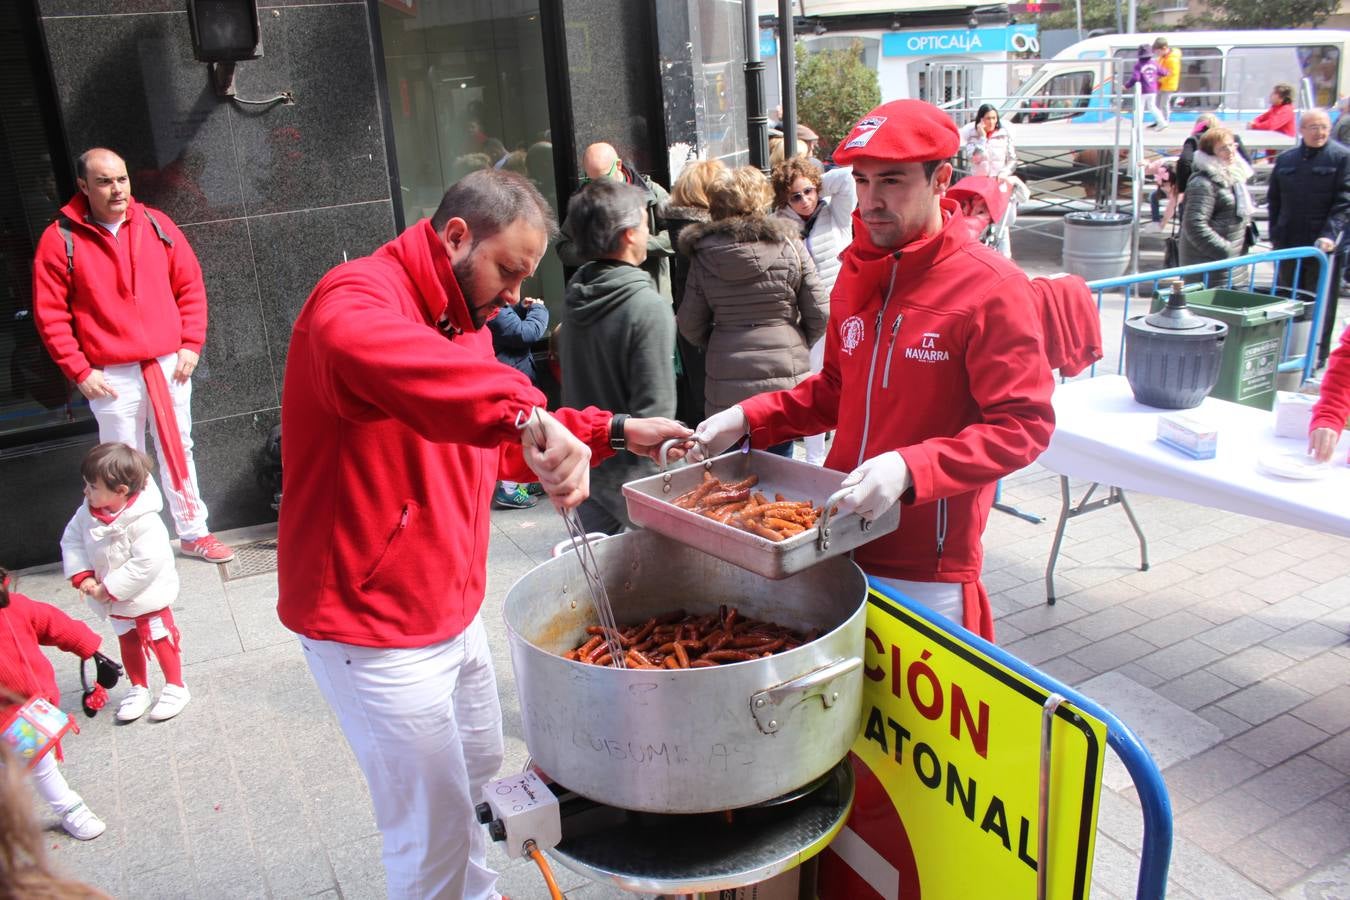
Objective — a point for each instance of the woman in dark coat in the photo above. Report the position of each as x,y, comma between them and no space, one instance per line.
752,298
1218,205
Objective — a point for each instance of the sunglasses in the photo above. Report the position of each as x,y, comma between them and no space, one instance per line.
802,196
586,179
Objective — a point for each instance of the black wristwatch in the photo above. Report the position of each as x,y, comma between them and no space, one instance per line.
616,438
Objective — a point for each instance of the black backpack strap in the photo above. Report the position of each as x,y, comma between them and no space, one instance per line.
159,230
63,227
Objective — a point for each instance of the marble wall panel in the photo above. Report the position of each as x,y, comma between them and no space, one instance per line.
43,481
129,82
327,148
235,374
292,252
229,456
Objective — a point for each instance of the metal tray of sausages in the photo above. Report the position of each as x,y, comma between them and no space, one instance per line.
650,506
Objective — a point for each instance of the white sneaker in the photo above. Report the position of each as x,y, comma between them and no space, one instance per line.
82,824
171,702
134,704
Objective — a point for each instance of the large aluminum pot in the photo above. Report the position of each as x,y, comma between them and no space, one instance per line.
693,740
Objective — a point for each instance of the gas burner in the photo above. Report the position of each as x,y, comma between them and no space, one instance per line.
656,853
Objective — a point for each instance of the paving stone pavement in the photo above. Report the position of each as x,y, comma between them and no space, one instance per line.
252,791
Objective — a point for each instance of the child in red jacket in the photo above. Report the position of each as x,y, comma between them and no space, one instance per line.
25,625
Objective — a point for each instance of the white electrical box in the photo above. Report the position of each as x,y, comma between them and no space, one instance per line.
521,808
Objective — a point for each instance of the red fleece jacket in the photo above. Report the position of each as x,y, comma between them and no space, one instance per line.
1333,401
25,625
395,435
1277,118
933,350
130,298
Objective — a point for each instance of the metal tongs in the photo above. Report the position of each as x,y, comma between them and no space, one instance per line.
590,569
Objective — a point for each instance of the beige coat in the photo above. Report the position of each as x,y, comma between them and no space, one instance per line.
754,301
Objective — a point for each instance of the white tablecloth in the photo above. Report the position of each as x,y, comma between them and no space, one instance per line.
1103,435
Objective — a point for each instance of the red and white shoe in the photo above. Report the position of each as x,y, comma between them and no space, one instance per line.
209,548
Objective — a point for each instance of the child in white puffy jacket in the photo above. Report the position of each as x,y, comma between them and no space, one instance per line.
116,552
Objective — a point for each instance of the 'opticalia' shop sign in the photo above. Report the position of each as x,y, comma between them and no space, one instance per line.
1010,39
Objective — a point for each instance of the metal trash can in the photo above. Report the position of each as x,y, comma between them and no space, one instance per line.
1097,244
1251,354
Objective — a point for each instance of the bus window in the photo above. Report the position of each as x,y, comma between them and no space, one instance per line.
1253,71
1064,96
1201,85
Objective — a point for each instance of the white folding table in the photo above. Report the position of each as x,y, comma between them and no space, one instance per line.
1103,436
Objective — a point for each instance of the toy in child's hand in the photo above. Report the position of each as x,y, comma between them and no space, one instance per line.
107,672
94,699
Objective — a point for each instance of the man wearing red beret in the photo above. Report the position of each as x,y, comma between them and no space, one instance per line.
935,380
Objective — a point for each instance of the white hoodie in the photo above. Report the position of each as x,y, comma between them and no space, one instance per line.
130,556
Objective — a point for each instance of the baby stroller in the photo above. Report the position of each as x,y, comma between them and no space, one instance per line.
991,201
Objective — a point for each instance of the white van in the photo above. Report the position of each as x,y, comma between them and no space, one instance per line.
1229,73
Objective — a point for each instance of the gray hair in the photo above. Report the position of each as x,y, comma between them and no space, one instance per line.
489,200
599,214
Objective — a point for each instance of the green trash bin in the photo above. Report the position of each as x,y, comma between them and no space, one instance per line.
1251,354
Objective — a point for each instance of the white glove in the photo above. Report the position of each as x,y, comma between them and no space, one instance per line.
877,484
717,432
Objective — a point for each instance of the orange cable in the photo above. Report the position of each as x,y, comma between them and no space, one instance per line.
538,856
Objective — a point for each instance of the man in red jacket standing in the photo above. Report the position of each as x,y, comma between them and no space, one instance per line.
935,378
119,301
399,421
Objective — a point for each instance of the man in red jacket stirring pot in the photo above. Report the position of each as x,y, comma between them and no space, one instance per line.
398,422
119,301
935,379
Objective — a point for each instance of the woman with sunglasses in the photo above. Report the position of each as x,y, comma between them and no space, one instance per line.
821,206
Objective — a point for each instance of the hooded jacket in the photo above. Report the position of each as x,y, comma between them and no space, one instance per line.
830,228
1217,210
396,433
618,346
659,248
933,350
130,298
25,627
1145,73
129,553
754,301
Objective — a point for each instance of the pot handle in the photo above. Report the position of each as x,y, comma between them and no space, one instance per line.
772,706
565,545
823,526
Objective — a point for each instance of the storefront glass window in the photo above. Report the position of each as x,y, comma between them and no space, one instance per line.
466,90
33,393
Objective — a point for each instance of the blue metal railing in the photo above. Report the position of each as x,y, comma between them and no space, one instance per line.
1224,269
1155,855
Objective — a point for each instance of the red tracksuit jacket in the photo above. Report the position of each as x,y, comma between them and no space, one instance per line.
130,298
26,625
394,437
1333,402
933,350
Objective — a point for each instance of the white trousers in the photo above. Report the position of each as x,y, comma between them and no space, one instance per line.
815,443
426,728
941,597
1151,105
51,785
123,419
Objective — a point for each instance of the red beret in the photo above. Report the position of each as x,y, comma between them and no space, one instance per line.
901,131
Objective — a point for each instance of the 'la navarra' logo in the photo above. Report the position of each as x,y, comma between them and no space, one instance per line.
928,350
